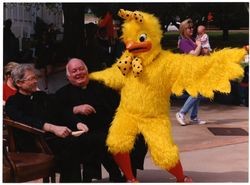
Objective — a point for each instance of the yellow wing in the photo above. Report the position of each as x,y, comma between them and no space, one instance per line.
205,74
111,77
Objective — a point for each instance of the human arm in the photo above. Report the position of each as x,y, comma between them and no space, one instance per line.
60,131
15,110
188,46
73,113
204,38
84,109
197,50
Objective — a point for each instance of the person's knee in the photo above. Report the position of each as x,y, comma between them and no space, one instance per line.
120,143
165,157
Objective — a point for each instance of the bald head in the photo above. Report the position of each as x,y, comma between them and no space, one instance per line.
201,29
77,72
74,61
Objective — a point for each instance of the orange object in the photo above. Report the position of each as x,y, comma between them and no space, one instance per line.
210,17
107,22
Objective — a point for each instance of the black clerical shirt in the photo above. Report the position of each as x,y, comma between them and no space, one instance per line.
103,99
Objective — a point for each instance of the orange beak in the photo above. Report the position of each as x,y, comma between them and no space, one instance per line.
138,47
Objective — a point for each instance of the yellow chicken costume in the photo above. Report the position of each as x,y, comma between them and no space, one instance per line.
146,76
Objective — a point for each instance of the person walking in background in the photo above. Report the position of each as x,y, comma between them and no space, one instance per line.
95,53
189,46
204,39
10,43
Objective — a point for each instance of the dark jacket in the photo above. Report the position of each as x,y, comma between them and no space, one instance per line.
105,101
33,110
39,108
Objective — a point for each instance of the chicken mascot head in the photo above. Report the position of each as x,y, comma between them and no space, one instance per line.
146,76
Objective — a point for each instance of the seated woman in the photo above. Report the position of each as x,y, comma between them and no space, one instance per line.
8,87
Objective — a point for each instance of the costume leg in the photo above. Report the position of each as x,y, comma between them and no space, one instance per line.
177,171
164,152
124,162
120,142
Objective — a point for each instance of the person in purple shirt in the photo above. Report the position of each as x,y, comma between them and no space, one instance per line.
188,45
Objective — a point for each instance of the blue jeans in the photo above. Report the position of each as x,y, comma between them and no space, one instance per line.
193,103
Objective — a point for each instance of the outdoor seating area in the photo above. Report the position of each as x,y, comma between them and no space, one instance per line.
26,166
117,92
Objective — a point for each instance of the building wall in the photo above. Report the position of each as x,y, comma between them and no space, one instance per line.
23,16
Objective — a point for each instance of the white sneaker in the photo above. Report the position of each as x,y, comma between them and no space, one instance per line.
197,121
180,118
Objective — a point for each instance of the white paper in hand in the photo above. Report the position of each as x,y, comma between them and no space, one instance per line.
77,133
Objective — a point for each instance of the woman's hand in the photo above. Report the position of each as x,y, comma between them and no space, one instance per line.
198,43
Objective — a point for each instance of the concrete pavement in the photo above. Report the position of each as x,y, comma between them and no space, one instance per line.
205,157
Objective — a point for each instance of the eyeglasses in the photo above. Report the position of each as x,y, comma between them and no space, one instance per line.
190,27
32,78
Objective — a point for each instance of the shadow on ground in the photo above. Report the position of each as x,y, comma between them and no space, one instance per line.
226,121
199,177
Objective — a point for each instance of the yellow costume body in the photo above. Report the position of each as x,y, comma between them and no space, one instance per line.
144,105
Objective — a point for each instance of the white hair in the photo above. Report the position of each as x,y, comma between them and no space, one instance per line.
73,60
19,71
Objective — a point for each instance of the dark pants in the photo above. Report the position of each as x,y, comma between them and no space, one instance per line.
138,154
88,149
70,152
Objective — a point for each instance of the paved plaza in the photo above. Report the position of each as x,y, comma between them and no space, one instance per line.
205,156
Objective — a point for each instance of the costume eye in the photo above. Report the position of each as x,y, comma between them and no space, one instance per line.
143,37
